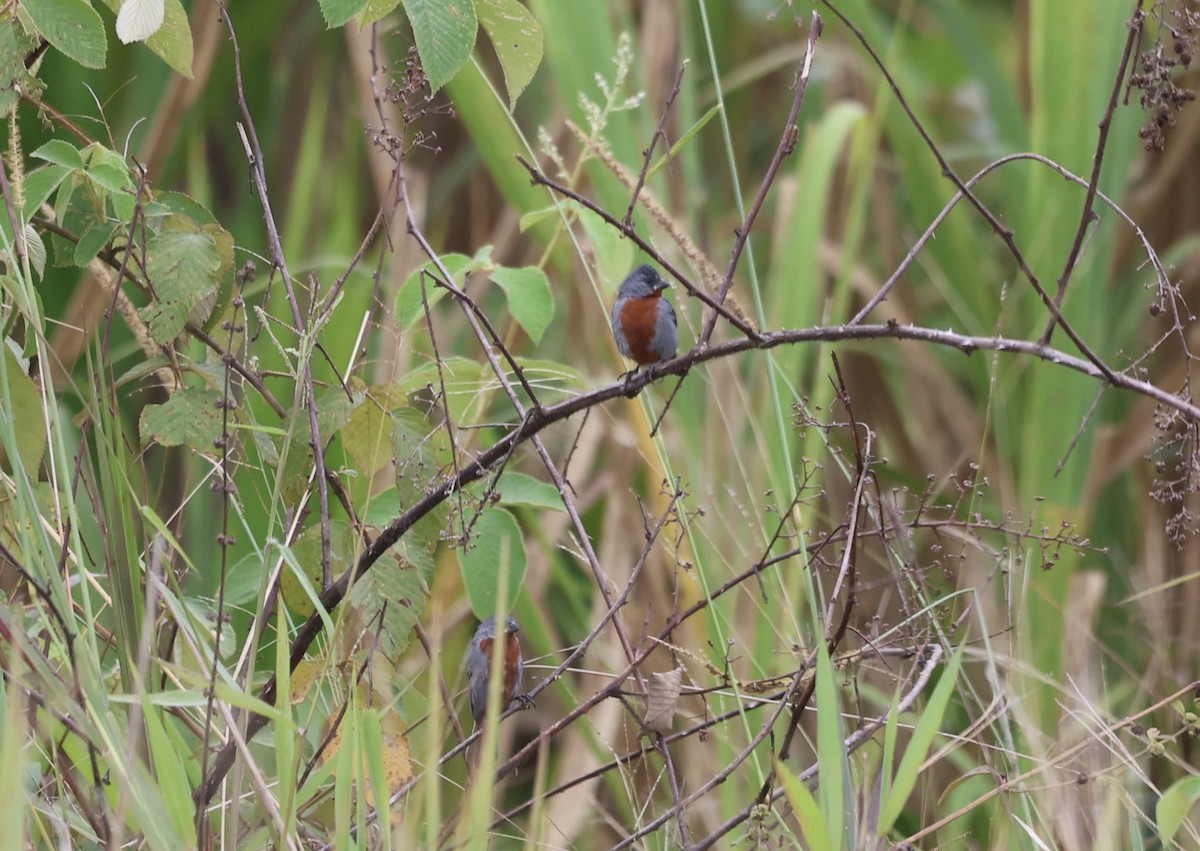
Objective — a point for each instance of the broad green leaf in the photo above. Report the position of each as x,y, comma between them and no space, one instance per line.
92,240
529,298
376,10
172,42
400,586
409,304
445,34
536,217
39,186
181,266
924,731
299,588
25,408
367,436
496,547
517,39
110,178
61,153
72,27
812,823
14,78
189,418
519,489
337,12
1174,805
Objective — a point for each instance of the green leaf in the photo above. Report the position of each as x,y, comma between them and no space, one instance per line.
300,584
181,265
1174,805
812,823
409,305
73,27
924,731
15,78
517,38
93,239
367,436
399,585
831,752
189,418
529,298
170,774
497,548
25,408
445,34
337,12
376,10
519,489
173,41
39,186
61,153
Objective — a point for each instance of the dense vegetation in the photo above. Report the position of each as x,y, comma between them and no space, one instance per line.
308,368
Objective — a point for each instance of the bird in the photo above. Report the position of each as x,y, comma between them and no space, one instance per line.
644,322
479,660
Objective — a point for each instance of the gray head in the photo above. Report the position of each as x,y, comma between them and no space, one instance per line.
487,629
642,281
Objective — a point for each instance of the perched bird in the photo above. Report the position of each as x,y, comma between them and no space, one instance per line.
479,660
643,321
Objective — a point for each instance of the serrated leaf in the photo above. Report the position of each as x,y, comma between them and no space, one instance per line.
497,547
60,152
189,418
337,12
39,186
72,27
376,10
181,266
517,39
529,298
519,489
93,239
445,35
110,177
367,436
139,19
400,586
15,78
36,250
172,42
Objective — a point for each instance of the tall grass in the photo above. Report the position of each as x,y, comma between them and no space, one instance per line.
951,582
